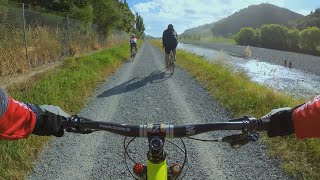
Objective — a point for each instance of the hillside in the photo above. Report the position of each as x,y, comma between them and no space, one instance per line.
204,29
253,16
313,19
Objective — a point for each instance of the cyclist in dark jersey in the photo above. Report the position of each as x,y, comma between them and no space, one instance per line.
169,42
18,120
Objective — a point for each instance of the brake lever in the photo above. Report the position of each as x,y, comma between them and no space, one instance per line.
72,124
238,140
244,118
81,131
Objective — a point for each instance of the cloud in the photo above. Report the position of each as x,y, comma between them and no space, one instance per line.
146,7
184,14
304,11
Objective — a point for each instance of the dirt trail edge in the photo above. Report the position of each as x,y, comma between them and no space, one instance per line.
142,92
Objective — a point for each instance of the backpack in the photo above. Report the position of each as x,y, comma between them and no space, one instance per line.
172,36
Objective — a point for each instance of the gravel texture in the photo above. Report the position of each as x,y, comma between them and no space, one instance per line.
141,92
304,62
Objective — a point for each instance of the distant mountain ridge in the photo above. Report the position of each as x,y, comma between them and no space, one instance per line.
203,29
313,19
252,16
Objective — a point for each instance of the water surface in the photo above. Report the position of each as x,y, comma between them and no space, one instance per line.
294,82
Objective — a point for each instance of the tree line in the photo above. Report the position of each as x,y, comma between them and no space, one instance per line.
275,36
106,14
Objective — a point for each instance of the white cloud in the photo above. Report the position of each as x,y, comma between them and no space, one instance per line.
304,11
184,14
146,7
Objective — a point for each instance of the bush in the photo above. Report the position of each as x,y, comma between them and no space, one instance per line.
293,40
274,36
246,36
310,40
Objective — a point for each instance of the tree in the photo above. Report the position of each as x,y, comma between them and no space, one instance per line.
127,17
293,40
139,24
246,36
310,40
3,10
107,15
274,36
85,14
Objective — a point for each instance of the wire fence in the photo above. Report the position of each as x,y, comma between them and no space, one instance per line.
30,38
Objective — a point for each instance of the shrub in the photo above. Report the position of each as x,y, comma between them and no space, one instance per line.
293,40
274,36
310,40
246,36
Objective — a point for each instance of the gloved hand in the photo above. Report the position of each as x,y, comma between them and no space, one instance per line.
281,123
49,120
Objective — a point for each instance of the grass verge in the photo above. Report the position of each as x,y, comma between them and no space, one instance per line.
67,87
235,91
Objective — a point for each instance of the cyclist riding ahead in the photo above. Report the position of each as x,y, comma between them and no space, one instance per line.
133,43
169,42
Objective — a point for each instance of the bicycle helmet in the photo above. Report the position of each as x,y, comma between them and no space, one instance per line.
170,26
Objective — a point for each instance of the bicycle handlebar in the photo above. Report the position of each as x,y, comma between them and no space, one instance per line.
84,125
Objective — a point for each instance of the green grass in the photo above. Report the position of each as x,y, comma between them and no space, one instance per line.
235,91
68,87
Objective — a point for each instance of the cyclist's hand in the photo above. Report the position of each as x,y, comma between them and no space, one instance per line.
49,120
281,123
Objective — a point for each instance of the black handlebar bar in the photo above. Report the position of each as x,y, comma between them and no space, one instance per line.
83,125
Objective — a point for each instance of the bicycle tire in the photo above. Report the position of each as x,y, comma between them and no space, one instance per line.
171,57
133,54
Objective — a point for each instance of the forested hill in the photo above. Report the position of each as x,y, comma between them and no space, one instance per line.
313,19
253,16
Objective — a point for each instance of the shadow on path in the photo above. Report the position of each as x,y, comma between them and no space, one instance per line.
135,83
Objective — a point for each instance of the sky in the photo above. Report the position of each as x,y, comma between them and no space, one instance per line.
186,14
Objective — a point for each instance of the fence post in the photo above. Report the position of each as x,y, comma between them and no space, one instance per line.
25,36
68,34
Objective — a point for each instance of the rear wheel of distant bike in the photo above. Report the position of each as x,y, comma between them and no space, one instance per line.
171,62
133,53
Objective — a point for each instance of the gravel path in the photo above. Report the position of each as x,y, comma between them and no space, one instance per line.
141,92
304,62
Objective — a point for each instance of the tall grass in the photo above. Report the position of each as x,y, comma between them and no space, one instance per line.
45,45
68,87
235,91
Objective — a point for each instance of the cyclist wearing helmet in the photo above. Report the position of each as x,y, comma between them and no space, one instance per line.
169,42
133,43
18,120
